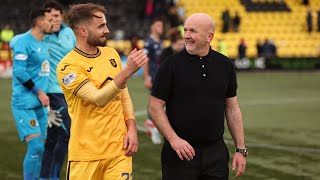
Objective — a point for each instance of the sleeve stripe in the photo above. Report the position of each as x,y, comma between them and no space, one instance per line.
80,85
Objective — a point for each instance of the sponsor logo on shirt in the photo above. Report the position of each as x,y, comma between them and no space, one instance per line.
113,62
64,67
69,78
45,68
89,70
21,57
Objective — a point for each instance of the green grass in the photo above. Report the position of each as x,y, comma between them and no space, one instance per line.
280,109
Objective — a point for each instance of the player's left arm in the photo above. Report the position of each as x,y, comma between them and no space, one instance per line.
235,125
131,138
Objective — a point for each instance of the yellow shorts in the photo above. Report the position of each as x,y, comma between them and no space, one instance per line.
116,168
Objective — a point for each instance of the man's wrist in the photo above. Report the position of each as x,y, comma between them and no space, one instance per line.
243,151
35,89
131,124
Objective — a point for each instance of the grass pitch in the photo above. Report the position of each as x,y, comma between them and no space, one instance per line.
281,115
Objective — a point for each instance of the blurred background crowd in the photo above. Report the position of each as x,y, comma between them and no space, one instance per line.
245,28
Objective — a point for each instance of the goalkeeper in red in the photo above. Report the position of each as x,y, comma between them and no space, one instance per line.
103,134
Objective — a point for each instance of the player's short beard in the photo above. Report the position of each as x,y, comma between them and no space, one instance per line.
95,41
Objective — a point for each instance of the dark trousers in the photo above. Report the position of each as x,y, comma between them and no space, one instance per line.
210,163
56,146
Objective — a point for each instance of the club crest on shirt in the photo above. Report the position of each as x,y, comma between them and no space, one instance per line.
69,79
33,123
113,62
45,68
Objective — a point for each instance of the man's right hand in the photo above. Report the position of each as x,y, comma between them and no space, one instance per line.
182,148
44,99
136,60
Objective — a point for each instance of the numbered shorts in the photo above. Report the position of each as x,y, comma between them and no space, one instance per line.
116,168
31,121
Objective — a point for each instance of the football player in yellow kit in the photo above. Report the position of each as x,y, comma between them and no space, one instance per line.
103,134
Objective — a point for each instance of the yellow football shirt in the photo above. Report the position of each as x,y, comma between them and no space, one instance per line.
96,132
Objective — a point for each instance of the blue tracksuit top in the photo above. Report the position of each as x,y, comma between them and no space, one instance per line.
59,45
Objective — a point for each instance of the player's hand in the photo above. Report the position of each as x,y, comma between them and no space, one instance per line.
130,141
240,160
44,99
136,60
54,118
182,148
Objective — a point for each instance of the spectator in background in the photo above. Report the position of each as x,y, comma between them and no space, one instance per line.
269,49
259,48
226,20
305,2
173,18
273,49
60,42
181,12
242,49
309,20
236,22
160,8
6,35
153,48
148,11
177,44
134,42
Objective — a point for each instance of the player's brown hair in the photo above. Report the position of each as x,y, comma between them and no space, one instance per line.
83,12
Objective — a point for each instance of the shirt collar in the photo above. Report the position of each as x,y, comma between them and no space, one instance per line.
207,58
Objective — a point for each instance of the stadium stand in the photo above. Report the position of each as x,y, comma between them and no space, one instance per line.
288,29
282,21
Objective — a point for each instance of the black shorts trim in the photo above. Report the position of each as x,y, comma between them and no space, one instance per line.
68,170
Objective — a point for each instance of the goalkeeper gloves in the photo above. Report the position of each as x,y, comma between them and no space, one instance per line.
54,118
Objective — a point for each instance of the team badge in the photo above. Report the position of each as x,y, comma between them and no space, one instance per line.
33,123
113,62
